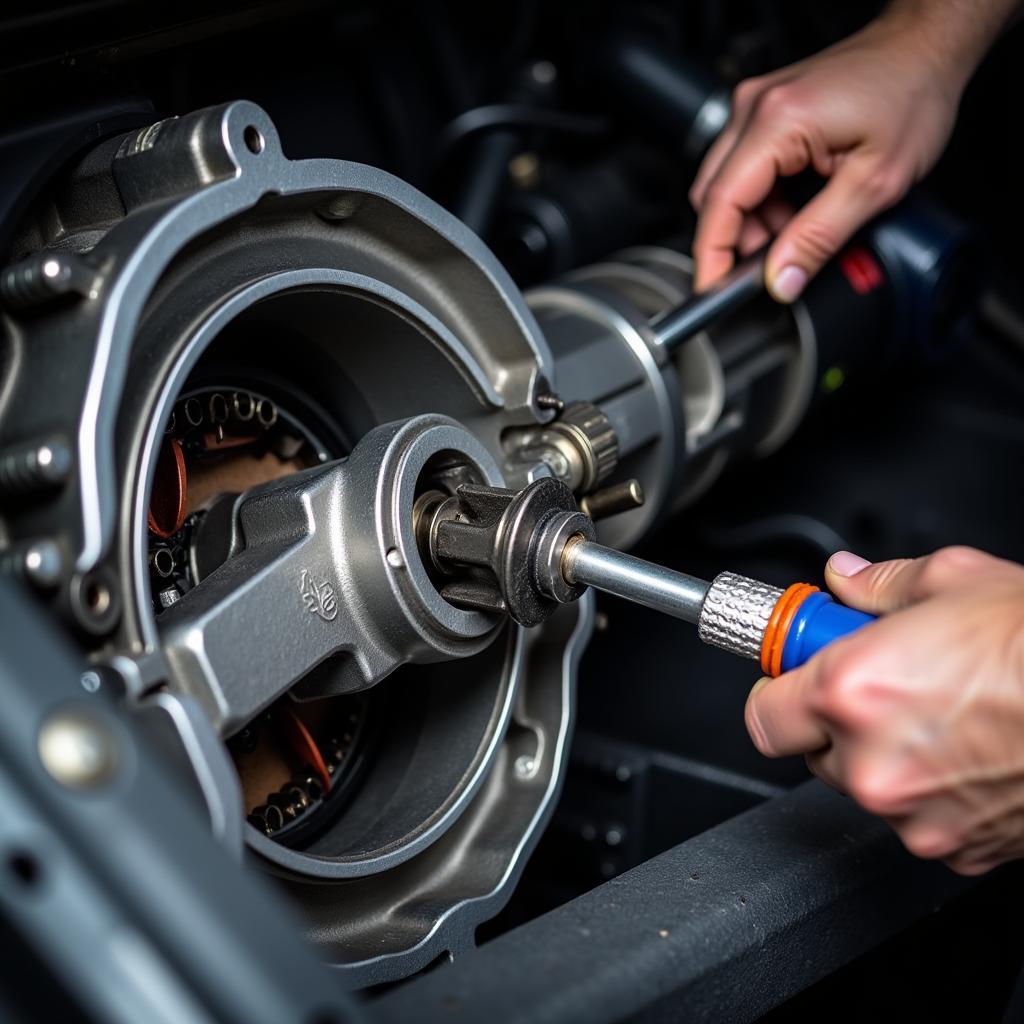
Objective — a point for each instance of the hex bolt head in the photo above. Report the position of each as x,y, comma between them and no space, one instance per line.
43,563
78,749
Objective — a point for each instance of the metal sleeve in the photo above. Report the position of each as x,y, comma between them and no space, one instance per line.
735,614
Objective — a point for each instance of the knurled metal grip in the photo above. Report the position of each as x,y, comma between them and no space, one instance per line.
735,614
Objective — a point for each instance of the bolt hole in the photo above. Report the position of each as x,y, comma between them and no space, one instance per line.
25,869
163,562
97,597
253,139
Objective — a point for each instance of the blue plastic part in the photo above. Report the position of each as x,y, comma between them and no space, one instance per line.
818,621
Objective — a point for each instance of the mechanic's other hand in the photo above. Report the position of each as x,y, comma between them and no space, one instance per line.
919,716
871,114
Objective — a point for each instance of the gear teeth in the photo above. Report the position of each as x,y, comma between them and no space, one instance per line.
478,595
486,504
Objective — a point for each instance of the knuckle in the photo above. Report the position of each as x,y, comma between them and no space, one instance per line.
948,565
873,790
969,866
746,92
930,843
817,240
838,689
885,185
717,193
779,104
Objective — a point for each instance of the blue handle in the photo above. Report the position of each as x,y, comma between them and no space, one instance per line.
818,621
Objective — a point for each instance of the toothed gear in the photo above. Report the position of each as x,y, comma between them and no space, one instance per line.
590,430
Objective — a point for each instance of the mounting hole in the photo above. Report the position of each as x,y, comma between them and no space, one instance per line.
253,139
24,869
95,601
97,597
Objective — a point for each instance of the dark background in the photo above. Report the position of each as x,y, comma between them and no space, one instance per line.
902,460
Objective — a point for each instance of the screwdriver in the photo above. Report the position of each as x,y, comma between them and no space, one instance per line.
743,283
780,628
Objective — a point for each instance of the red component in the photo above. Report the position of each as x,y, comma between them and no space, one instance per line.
862,270
170,487
305,746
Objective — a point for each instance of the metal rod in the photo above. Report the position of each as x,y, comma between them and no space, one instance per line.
653,586
743,283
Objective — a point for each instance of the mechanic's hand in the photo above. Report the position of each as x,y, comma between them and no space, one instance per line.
919,716
872,114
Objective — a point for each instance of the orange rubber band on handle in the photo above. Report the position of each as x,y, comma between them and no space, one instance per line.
778,626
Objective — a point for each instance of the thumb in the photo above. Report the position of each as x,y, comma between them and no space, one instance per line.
826,223
878,587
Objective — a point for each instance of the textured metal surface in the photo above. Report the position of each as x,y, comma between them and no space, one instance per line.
588,429
721,928
735,614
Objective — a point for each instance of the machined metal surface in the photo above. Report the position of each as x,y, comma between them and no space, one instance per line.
505,549
579,446
339,283
330,565
205,158
605,352
637,580
735,614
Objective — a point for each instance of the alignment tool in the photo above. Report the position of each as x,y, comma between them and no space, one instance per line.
526,552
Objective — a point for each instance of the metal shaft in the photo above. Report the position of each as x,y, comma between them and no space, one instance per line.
653,586
743,283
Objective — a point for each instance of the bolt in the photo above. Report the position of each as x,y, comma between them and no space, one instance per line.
549,400
613,837
525,766
28,468
78,749
44,277
524,171
38,562
90,681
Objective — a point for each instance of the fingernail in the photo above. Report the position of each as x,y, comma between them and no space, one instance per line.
846,563
759,685
788,283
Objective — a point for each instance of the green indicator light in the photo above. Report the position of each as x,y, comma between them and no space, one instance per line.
832,379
